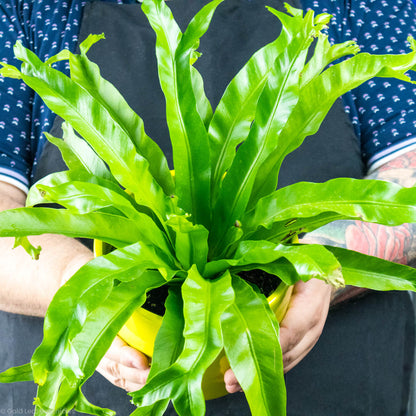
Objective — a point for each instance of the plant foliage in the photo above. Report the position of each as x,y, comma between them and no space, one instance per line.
219,215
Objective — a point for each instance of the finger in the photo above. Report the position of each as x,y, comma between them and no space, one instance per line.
126,355
307,309
302,334
124,366
304,321
300,351
127,378
231,383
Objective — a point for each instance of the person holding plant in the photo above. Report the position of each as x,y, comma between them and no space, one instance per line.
377,140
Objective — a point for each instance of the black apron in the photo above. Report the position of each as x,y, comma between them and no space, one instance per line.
347,372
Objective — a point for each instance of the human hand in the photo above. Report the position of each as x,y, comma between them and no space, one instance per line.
124,366
301,327
304,321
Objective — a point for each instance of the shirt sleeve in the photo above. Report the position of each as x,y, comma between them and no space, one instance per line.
382,110
45,27
15,105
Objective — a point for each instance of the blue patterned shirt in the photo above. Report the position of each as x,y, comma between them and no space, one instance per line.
382,110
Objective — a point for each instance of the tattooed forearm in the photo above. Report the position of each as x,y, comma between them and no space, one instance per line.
401,170
397,244
390,243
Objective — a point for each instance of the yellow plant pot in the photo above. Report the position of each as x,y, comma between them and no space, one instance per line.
141,329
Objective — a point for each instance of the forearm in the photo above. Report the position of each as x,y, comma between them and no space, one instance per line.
27,286
397,244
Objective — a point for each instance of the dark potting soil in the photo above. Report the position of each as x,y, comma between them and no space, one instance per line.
266,283
155,300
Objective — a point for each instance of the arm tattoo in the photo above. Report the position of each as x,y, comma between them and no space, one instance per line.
396,244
